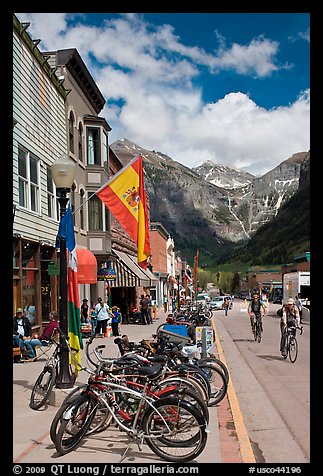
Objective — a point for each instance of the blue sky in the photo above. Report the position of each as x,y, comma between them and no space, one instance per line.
233,88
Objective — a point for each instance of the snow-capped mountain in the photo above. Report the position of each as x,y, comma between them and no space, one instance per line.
223,176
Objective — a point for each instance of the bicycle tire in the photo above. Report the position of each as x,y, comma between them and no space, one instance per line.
42,387
75,393
198,375
103,421
217,381
191,396
218,362
292,349
259,333
188,382
77,419
192,422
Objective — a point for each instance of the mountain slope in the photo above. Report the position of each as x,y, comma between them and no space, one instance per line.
285,236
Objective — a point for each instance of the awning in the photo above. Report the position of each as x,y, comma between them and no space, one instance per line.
129,274
87,266
153,279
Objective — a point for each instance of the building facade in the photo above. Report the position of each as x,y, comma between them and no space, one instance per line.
39,138
88,146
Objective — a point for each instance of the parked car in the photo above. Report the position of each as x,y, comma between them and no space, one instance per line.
217,303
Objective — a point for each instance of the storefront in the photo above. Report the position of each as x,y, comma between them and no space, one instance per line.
34,290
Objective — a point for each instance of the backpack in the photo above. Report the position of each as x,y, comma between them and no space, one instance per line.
260,305
280,312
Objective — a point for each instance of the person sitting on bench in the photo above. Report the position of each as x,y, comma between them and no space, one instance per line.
44,339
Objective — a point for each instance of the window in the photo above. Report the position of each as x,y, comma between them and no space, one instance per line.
51,199
93,146
80,143
82,209
29,275
71,132
28,180
95,214
72,201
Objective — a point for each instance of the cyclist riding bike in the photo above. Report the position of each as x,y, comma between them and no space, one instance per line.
256,310
290,318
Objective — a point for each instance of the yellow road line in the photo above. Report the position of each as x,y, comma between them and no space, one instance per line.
247,454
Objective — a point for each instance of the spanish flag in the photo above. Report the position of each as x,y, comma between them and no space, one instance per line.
124,196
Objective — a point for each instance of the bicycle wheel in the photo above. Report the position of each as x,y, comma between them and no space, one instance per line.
76,421
292,349
259,332
190,396
187,382
219,363
42,387
217,381
196,373
174,429
58,418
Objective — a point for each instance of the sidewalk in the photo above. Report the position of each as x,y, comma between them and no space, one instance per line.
32,444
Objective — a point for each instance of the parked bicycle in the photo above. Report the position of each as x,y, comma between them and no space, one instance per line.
290,342
48,377
172,427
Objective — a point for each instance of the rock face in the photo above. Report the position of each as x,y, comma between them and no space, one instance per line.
213,205
223,176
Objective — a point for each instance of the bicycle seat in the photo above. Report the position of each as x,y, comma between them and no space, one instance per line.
158,358
151,372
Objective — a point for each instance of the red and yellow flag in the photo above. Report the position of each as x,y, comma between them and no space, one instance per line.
196,264
124,196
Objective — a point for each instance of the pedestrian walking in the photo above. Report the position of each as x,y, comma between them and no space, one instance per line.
226,306
116,321
144,302
103,316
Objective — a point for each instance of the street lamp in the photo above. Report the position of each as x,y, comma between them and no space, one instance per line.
63,173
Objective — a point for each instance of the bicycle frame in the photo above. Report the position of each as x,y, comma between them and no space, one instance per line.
142,396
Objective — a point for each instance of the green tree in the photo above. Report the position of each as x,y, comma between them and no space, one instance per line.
235,283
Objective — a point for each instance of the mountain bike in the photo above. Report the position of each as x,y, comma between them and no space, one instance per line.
48,377
258,329
291,342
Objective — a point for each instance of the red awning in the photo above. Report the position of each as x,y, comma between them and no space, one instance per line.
87,266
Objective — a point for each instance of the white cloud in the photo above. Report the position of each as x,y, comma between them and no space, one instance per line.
150,73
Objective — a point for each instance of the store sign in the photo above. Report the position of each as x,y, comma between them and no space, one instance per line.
53,269
106,274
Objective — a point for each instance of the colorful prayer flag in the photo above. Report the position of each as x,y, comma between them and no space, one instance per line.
66,231
124,196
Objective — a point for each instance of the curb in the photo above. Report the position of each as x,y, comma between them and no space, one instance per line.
247,454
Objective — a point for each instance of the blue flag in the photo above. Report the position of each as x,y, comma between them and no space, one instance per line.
66,230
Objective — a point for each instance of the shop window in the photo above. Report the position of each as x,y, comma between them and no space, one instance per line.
93,146
29,280
16,254
46,256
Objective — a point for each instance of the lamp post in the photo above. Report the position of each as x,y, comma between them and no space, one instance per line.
63,172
